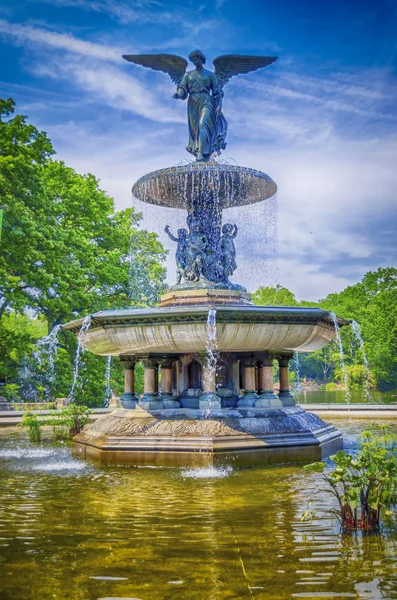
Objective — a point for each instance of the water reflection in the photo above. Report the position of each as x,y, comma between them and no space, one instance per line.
88,533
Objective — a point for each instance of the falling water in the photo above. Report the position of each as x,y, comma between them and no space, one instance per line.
133,276
211,360
79,350
297,366
297,386
357,335
270,235
43,357
49,346
341,355
108,391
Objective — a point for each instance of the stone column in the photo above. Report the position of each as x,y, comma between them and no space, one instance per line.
267,398
287,399
209,398
250,396
169,401
150,399
129,399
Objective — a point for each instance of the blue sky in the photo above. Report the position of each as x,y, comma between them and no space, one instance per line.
321,121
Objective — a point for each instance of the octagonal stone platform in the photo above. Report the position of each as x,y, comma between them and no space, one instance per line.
184,437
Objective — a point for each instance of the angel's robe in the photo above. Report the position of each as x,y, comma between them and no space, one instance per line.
207,125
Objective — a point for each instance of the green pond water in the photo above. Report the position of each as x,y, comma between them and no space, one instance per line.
339,397
72,530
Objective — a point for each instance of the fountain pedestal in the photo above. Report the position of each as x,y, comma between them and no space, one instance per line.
216,350
185,437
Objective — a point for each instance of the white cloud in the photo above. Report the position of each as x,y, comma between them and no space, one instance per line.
130,11
62,41
113,87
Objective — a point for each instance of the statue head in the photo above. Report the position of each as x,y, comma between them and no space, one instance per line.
227,228
197,58
182,234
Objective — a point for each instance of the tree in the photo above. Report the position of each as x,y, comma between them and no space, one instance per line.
65,251
23,152
277,296
372,303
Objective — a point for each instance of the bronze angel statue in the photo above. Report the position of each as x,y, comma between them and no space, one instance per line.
204,90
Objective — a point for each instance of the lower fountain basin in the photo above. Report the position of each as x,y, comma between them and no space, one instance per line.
180,329
183,437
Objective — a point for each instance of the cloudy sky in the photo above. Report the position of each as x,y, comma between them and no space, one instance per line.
321,121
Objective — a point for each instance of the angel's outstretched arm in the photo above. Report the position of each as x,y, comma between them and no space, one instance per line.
168,232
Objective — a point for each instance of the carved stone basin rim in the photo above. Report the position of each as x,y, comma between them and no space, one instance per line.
184,330
199,314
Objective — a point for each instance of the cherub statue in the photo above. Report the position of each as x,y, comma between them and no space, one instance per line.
228,251
197,245
204,90
181,251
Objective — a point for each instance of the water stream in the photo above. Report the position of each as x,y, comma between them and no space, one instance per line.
297,386
358,337
39,369
85,325
108,391
211,359
341,356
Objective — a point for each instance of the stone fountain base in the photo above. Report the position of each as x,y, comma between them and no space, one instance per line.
183,437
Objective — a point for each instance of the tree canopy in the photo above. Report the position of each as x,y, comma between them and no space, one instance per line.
372,302
65,251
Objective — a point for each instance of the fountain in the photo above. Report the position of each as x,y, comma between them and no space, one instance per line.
212,347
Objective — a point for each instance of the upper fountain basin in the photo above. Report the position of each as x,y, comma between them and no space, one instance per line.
182,186
184,330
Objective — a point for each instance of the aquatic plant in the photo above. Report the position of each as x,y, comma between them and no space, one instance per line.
364,484
73,417
33,425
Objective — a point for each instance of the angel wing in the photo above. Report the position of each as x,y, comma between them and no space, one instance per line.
228,65
174,65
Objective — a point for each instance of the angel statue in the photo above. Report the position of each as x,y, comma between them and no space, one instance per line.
204,90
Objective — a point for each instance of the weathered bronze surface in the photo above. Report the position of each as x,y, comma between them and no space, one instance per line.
204,91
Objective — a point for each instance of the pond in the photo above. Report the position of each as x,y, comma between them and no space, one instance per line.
72,530
339,397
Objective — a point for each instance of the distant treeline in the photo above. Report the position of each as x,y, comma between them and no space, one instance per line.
373,304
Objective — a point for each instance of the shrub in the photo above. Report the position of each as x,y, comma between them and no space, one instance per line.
70,421
33,425
364,485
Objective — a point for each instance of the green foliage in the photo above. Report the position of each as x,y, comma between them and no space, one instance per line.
18,334
33,425
70,421
365,484
277,296
372,303
65,253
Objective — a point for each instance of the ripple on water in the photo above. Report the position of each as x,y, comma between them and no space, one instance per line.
207,472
